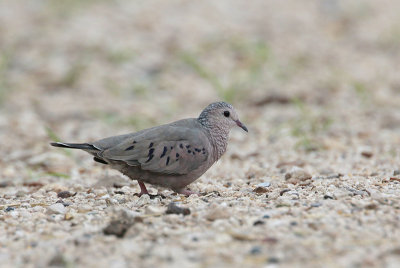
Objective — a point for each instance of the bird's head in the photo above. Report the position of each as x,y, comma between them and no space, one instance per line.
221,115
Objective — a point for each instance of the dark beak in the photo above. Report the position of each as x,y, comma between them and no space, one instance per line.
239,124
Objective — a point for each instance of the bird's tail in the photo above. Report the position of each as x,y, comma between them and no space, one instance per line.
82,146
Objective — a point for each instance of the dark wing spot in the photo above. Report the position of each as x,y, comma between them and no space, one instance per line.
164,152
150,157
188,146
151,151
172,147
99,160
177,155
197,150
167,161
193,153
181,145
129,148
134,142
189,152
151,145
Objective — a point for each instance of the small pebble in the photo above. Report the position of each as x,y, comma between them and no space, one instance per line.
367,154
56,208
255,250
297,175
259,222
396,172
273,260
217,212
260,190
20,193
4,184
174,209
266,216
65,194
117,228
9,209
264,184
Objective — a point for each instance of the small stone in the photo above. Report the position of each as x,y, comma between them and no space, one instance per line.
259,222
117,228
84,208
334,176
65,194
367,154
143,200
315,205
8,209
174,209
371,206
273,260
328,197
266,216
25,205
296,175
153,210
260,190
396,172
68,216
255,250
4,184
58,261
217,212
56,208
20,193
264,184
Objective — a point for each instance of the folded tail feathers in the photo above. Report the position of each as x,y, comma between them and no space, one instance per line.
82,146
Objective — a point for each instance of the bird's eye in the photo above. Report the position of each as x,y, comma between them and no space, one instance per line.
226,113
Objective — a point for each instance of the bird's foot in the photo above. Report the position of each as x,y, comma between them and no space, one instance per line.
143,190
186,192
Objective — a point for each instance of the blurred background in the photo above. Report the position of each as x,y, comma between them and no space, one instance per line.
86,69
315,81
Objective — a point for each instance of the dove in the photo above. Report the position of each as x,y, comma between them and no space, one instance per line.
172,155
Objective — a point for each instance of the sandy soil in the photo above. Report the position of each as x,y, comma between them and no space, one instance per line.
315,182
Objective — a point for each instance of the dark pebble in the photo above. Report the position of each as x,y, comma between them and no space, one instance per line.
293,223
119,192
117,228
266,216
333,176
8,209
259,222
367,154
396,172
273,260
174,209
65,194
260,190
4,184
255,250
328,197
58,261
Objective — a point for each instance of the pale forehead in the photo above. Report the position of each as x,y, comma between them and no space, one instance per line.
218,105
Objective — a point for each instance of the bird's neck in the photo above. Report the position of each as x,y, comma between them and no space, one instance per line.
218,136
219,141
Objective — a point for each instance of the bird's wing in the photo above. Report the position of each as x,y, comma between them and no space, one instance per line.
167,149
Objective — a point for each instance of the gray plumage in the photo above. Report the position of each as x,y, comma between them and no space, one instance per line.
172,155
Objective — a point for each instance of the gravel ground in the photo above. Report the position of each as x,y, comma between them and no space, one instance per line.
314,183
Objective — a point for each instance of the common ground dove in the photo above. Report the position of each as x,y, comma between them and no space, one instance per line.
172,155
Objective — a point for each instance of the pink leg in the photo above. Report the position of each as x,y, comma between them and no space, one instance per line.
143,189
